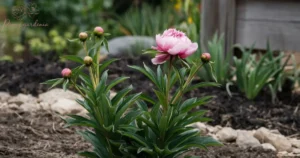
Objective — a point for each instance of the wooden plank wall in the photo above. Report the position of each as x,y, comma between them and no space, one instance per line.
253,21
278,21
218,16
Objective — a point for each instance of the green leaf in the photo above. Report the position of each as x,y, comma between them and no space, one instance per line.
106,34
142,105
130,116
135,137
187,107
120,95
124,106
96,141
163,124
202,84
88,154
115,82
106,45
73,58
162,98
182,138
152,78
104,64
79,121
150,51
147,98
57,83
73,40
52,81
101,88
65,84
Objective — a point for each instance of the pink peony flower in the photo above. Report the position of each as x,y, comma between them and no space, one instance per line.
98,31
205,57
173,43
66,72
83,36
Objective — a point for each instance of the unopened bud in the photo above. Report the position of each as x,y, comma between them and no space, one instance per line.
88,61
66,73
83,36
98,31
205,57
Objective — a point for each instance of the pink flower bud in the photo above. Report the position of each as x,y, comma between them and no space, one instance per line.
98,31
66,73
83,36
88,61
205,57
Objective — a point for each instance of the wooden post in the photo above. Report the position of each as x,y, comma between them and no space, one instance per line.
218,16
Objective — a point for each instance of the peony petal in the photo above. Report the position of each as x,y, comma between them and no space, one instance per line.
160,58
179,48
165,43
191,50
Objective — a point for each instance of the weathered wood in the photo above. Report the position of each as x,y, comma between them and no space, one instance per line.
218,16
281,36
275,20
271,10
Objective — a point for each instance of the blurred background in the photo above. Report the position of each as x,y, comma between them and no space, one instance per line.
41,28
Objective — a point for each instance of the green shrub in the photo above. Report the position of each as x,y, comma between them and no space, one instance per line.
253,75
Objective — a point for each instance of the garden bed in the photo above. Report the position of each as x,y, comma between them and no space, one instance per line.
236,112
41,135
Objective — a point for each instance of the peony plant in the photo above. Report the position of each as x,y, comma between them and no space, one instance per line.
107,115
123,125
165,130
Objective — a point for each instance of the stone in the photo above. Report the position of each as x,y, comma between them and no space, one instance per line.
248,132
268,146
275,131
201,126
127,45
45,106
13,106
280,142
4,96
214,129
227,134
213,136
296,151
30,107
295,143
67,106
55,94
246,140
112,94
21,99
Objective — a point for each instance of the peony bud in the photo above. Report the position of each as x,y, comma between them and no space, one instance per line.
205,57
83,36
66,73
88,61
98,31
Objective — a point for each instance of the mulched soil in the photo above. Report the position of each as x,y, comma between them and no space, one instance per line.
37,135
41,135
237,112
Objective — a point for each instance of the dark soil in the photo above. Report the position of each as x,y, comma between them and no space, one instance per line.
41,135
232,151
237,111
37,135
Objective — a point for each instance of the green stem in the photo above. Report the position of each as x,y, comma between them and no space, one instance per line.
81,93
168,83
109,148
92,77
85,49
188,81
